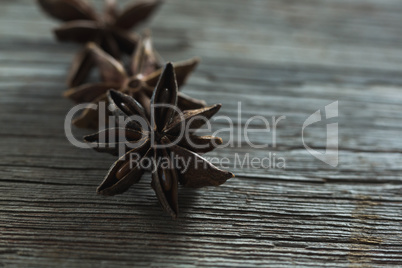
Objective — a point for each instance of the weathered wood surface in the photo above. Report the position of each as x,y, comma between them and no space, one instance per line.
278,58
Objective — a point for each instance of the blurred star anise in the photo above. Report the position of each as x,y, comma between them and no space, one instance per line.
139,85
161,143
109,30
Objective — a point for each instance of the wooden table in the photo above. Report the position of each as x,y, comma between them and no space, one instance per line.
278,58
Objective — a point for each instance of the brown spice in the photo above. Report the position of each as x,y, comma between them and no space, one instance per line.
163,128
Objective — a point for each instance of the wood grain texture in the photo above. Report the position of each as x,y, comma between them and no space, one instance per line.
277,57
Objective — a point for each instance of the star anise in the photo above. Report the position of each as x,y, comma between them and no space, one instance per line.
140,85
109,30
161,142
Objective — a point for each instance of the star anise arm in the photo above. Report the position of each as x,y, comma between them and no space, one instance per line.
80,68
185,102
122,105
136,13
112,140
145,59
110,69
126,41
200,172
79,31
89,118
198,144
192,119
109,44
164,99
182,70
165,183
121,175
145,100
67,10
110,9
89,92
126,106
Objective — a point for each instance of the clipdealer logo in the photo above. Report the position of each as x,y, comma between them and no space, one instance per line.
236,134
330,156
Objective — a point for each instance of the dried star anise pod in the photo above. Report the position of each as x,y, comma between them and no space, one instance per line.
109,30
160,140
139,86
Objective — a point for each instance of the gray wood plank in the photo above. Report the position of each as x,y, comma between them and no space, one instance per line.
278,58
